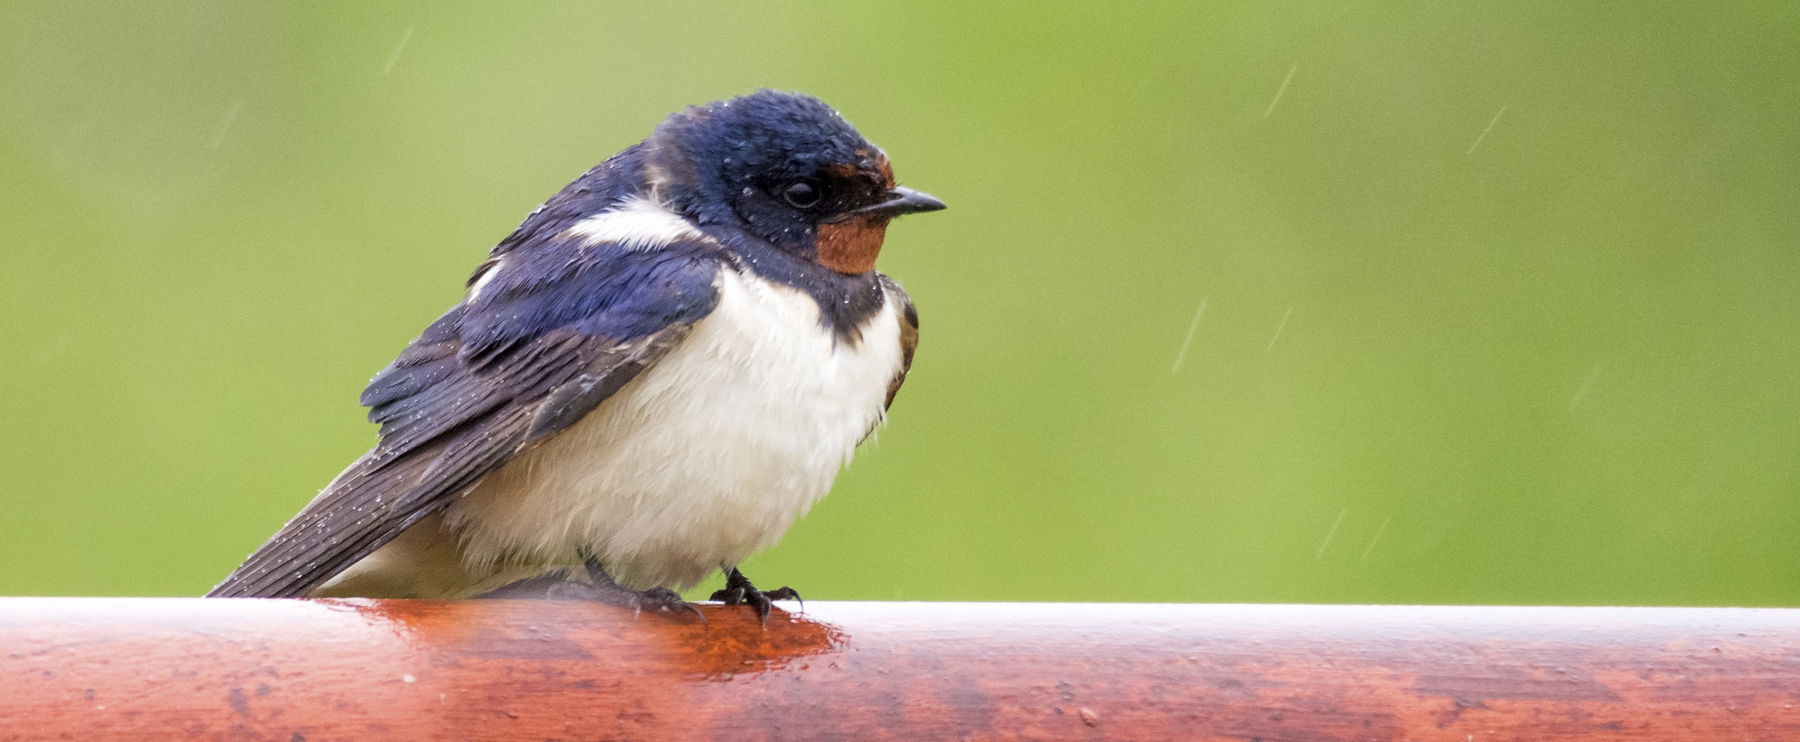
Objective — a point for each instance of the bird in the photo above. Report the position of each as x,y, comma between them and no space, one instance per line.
653,377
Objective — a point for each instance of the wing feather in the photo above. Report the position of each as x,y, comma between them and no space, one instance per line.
520,363
909,334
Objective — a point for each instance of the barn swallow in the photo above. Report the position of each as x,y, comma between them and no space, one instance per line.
653,377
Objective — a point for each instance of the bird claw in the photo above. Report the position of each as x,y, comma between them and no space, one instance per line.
548,586
739,591
662,599
561,586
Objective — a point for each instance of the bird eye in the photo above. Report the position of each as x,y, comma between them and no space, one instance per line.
801,193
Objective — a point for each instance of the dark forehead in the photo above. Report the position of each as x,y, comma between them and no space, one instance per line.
774,129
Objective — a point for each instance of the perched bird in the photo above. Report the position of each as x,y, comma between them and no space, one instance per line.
652,378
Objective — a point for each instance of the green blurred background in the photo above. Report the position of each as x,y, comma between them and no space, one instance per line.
1327,302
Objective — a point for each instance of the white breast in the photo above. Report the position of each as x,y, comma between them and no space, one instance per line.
704,459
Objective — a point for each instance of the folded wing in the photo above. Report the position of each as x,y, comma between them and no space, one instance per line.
534,351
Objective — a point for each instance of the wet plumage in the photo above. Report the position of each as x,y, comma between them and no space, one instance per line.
660,370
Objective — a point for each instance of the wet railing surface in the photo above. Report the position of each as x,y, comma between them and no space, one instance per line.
100,668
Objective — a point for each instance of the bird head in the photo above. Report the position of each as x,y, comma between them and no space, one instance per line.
783,168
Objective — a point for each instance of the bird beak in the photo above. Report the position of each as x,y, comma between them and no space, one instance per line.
900,200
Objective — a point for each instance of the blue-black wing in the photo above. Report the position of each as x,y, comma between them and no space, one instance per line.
554,335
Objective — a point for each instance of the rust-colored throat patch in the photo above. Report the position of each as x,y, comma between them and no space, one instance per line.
851,246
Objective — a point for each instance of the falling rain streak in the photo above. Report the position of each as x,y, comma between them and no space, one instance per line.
1181,355
1331,533
1484,132
1278,328
1376,538
225,124
1581,392
405,36
1281,90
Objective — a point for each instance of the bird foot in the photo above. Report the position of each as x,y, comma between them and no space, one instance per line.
739,591
559,585
662,599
